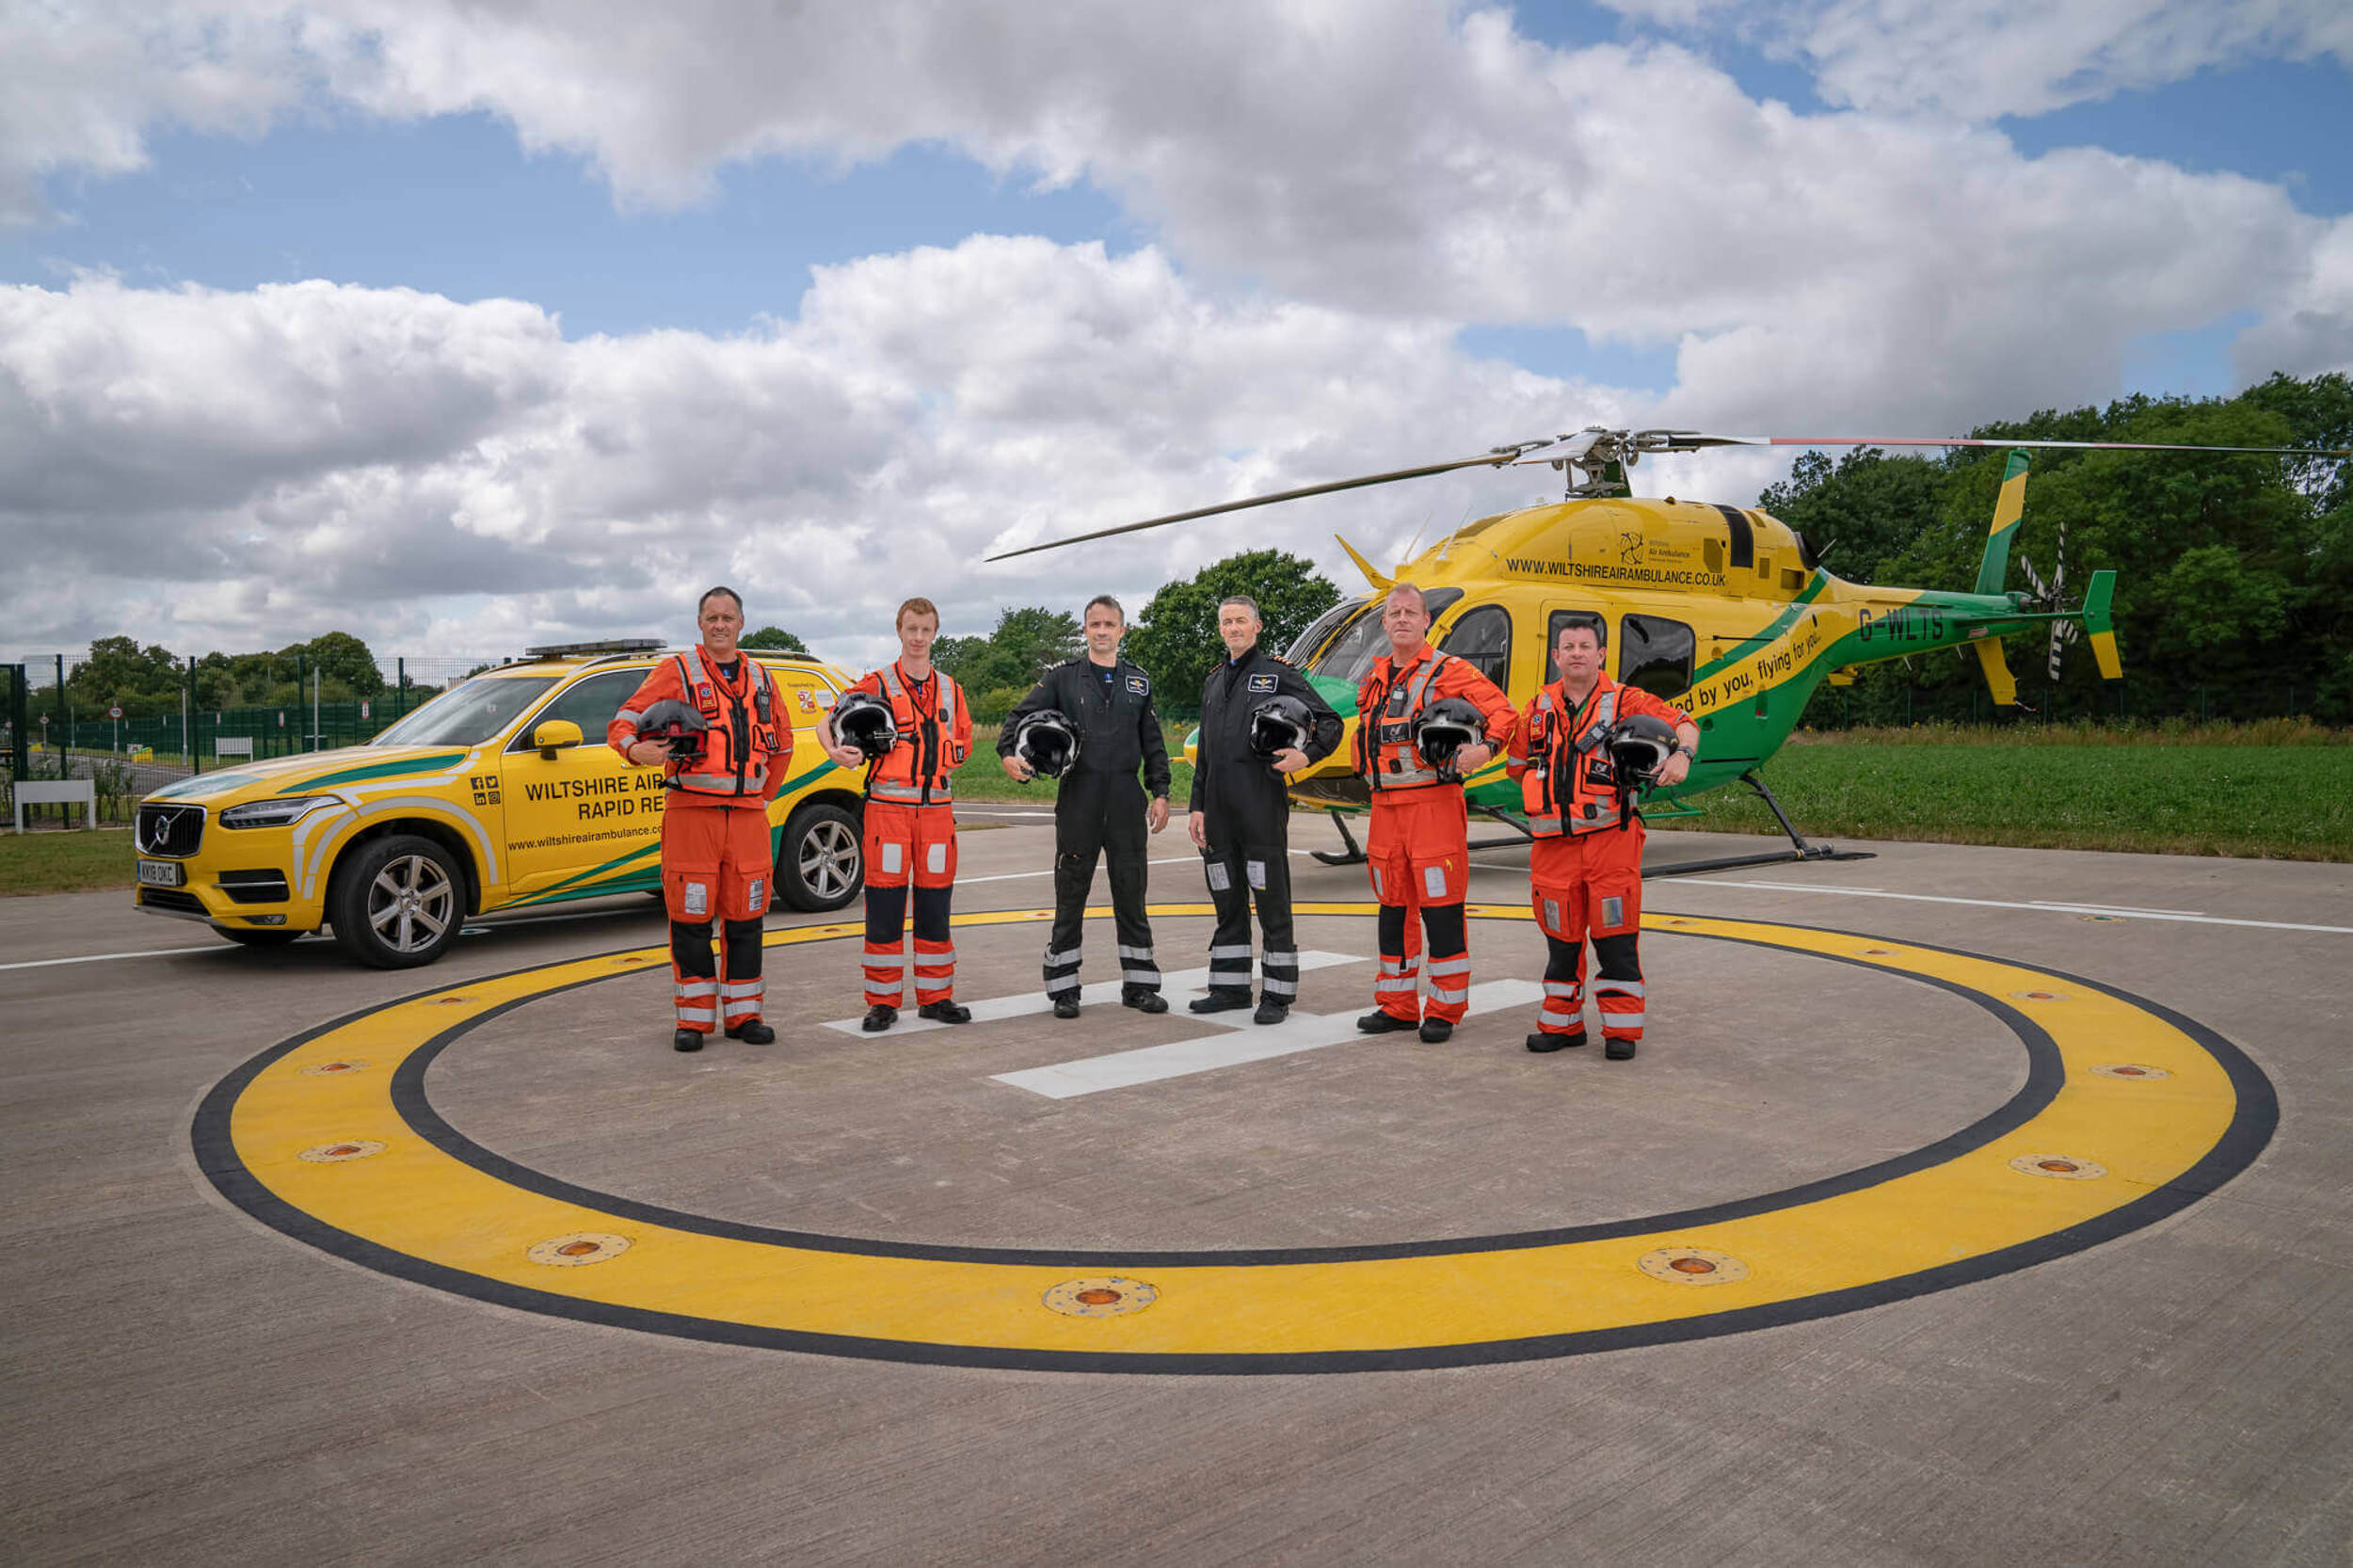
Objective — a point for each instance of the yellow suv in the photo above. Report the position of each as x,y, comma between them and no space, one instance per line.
497,794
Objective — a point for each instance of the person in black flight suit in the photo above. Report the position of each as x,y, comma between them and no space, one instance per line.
1098,808
1240,814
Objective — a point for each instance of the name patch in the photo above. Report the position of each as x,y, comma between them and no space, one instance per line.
1139,685
1262,682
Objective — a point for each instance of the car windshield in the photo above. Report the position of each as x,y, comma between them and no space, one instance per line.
469,714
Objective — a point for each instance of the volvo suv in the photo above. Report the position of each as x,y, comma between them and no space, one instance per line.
497,794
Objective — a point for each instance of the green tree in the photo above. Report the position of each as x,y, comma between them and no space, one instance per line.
144,680
339,656
1860,514
1175,638
774,639
1036,639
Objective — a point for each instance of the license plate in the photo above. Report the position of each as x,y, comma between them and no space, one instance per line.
162,873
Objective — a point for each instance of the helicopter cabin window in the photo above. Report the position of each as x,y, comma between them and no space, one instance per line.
1483,638
1654,653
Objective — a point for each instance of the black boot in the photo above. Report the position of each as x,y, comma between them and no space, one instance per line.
879,1018
752,1032
687,1039
1270,1012
945,1013
1541,1041
1143,1001
1067,1005
1382,1021
1617,1050
1219,1001
1436,1032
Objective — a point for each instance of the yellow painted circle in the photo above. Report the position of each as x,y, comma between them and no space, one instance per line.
431,1206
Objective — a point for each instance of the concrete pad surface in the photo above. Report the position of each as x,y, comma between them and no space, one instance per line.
184,1385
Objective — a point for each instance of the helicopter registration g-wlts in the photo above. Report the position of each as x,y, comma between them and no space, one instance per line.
1724,610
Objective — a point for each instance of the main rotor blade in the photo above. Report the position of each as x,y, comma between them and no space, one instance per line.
1495,457
1980,441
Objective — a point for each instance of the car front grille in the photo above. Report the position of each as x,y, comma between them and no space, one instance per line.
173,831
171,899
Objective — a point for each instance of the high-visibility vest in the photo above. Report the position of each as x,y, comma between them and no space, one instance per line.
1569,787
742,739
1388,711
918,771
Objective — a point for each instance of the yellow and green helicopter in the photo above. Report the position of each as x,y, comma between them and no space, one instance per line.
1725,610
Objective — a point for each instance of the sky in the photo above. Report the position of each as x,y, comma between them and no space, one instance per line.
470,325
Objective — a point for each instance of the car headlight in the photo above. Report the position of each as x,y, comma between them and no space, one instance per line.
276,814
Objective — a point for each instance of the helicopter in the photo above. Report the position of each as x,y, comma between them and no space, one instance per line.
1725,611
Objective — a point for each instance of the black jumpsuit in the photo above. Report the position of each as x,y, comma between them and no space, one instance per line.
1098,809
1248,821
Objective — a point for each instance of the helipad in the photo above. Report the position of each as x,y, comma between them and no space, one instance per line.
1963,1207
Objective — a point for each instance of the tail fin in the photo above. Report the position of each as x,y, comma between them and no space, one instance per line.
1997,676
2100,624
1993,570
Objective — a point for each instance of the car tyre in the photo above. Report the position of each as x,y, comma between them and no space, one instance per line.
255,936
821,861
397,902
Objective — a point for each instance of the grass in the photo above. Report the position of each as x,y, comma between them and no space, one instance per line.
2191,792
72,861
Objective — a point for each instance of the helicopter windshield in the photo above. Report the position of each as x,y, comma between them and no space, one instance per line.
1348,656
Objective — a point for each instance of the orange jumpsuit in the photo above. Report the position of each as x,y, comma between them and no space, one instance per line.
1585,869
911,836
717,855
1418,848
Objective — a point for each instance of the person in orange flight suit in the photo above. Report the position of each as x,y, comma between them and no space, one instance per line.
911,826
1418,848
717,859
1585,867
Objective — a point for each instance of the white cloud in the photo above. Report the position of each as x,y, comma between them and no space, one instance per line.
1980,60
438,477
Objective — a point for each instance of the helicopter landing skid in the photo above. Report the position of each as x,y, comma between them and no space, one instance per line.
1354,855
1798,849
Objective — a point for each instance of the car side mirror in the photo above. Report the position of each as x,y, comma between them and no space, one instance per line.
554,736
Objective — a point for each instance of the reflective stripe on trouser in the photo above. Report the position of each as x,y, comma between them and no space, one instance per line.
1418,858
698,1001
739,1001
1100,816
1589,887
1618,997
1237,876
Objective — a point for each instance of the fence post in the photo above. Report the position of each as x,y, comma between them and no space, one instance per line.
400,706
65,723
20,722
